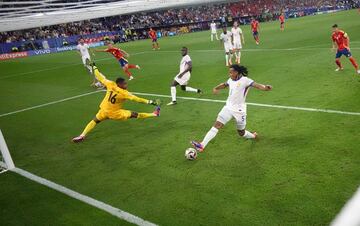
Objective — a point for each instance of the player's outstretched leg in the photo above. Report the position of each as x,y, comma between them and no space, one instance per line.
156,113
190,89
248,135
211,134
87,129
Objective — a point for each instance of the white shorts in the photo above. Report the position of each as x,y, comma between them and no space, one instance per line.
84,59
184,79
228,47
237,45
227,114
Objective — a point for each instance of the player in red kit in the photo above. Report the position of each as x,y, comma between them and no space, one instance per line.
282,21
255,30
342,40
153,36
120,54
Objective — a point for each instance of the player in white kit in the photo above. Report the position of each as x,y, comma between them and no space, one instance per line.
237,40
183,77
226,38
83,49
213,31
235,107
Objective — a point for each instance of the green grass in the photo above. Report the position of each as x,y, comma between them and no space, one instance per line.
301,171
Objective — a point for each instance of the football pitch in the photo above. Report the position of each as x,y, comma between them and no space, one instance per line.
301,171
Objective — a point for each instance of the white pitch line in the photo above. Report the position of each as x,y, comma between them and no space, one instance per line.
258,104
189,98
86,199
49,103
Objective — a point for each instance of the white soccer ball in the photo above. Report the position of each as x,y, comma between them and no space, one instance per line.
190,154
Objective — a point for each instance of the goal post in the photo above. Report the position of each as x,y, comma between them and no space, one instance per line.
6,162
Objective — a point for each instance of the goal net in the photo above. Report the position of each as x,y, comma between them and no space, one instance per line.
6,162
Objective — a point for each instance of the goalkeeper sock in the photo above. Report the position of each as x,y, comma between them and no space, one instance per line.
209,136
146,115
88,128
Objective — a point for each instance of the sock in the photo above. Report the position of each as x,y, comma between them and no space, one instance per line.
131,66
145,115
89,69
239,55
338,63
248,135
216,36
190,89
209,136
212,37
353,61
88,128
127,72
158,46
173,93
227,59
153,45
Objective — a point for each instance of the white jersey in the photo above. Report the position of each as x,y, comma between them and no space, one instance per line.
213,27
237,93
84,50
226,38
236,32
183,66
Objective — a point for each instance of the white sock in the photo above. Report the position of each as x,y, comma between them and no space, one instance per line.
173,93
239,55
89,69
212,37
216,36
190,89
248,135
209,136
227,59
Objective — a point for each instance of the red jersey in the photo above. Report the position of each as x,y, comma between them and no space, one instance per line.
341,39
282,18
152,34
254,25
115,52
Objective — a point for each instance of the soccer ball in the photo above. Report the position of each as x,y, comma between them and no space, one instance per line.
190,154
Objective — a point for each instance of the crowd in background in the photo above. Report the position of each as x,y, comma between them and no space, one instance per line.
170,21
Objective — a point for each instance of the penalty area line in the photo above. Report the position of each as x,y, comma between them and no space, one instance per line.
259,104
86,199
188,98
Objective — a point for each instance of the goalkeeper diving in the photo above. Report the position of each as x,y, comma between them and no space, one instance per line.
111,105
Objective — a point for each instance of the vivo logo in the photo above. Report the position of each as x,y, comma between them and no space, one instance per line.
42,51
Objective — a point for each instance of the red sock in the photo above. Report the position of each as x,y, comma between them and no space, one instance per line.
353,61
127,72
338,63
131,66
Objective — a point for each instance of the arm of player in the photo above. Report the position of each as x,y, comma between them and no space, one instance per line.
189,67
217,88
261,86
132,97
100,77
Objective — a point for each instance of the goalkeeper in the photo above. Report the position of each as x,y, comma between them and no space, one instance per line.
111,105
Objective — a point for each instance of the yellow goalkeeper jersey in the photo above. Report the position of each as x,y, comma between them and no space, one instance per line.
115,96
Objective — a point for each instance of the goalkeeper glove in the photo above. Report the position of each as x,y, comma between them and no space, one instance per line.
156,102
